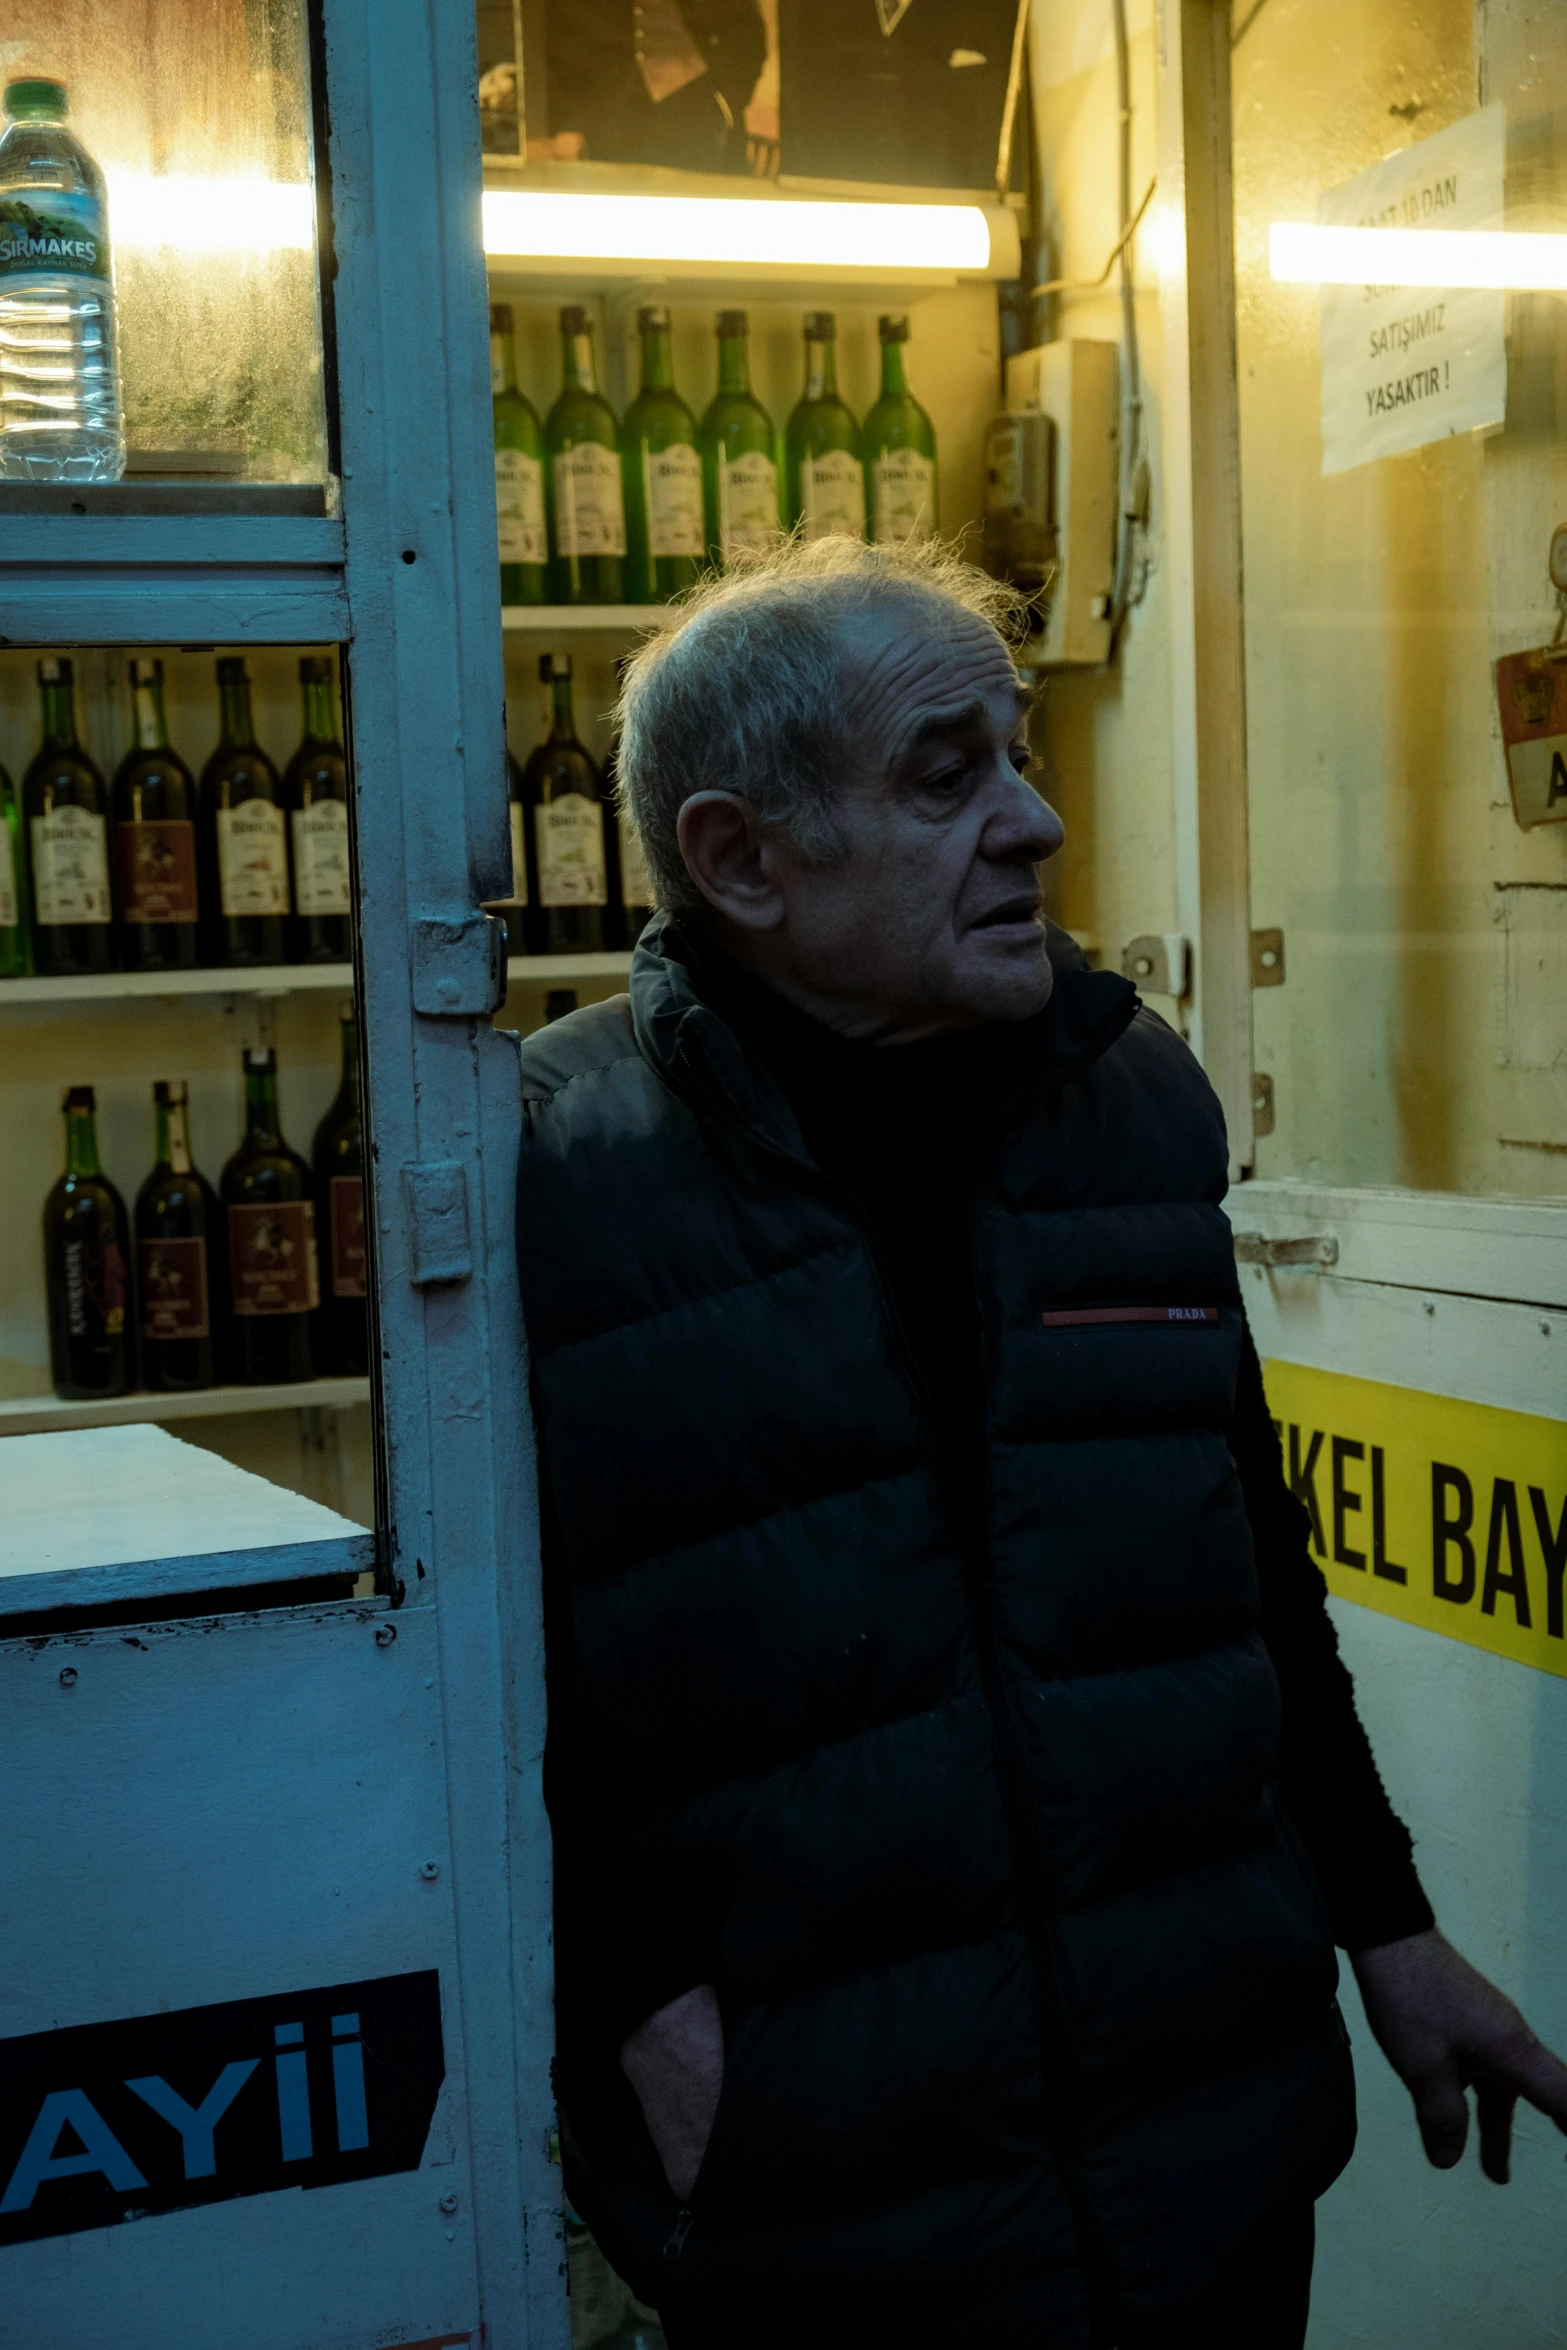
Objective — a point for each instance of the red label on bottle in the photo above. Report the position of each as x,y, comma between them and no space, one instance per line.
173,1288
348,1236
272,1258
158,871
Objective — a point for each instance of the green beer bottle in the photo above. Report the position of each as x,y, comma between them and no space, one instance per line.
587,520
739,454
13,884
899,445
519,473
822,443
665,541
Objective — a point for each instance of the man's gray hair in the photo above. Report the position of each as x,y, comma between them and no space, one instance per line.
744,691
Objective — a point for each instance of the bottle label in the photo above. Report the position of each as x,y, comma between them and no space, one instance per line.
60,232
904,494
568,834
158,871
672,479
519,858
272,1258
832,493
747,505
10,909
322,881
636,886
95,1285
347,1205
71,866
253,858
590,517
519,506
173,1283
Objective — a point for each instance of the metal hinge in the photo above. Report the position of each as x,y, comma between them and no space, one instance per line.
1315,1250
1267,958
435,1204
1262,1119
459,966
1160,962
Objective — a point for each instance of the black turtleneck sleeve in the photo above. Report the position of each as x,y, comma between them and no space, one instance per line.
1329,1780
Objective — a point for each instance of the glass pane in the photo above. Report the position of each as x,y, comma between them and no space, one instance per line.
174,155
1404,463
181,1132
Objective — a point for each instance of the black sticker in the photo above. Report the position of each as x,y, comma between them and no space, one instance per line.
104,2122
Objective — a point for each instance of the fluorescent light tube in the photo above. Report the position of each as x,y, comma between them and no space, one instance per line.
1301,253
756,231
234,212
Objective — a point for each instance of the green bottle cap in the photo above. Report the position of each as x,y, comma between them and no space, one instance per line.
146,672
79,1097
820,326
574,320
652,317
554,665
500,318
315,669
36,100
55,670
233,669
732,323
893,330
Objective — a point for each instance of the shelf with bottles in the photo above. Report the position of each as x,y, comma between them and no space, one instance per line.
152,873
611,502
274,981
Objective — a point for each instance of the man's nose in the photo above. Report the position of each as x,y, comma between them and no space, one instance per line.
1022,824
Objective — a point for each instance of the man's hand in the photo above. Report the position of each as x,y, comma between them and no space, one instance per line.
1443,2028
675,2063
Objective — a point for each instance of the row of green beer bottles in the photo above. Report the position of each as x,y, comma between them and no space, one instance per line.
156,875
261,1282
595,512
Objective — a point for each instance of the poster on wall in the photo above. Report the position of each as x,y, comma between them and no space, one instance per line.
1405,365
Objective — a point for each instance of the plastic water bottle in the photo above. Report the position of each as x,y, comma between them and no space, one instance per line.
59,381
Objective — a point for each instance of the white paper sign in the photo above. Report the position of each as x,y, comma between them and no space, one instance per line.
1403,365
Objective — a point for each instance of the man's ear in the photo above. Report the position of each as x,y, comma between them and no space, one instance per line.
731,861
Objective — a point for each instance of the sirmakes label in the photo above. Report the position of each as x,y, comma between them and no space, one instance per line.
904,496
272,1258
172,1278
58,233
10,903
747,505
672,479
323,883
71,866
158,871
568,835
589,515
832,494
253,859
347,1209
519,507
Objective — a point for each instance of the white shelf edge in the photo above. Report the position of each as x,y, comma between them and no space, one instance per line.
542,970
267,979
38,1415
558,619
203,1574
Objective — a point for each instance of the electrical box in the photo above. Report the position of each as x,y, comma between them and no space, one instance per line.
1077,386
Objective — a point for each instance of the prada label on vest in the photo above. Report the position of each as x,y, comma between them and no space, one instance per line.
114,2121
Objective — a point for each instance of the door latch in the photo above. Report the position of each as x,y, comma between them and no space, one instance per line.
459,966
435,1203
1160,963
1314,1251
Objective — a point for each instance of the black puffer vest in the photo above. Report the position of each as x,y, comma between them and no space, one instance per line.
1028,1992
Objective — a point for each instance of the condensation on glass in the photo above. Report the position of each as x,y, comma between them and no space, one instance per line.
197,112
1419,879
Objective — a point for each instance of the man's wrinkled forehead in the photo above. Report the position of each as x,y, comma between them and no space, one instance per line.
907,675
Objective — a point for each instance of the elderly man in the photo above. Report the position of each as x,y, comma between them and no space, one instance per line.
956,1788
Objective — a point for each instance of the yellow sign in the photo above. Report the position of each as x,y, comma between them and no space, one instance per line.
1450,1515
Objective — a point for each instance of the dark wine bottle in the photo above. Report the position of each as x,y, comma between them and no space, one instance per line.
636,883
155,837
575,862
244,837
66,802
15,947
337,1155
273,1285
511,910
315,786
87,1269
181,1263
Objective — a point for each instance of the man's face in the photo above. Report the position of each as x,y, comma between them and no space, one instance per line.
931,919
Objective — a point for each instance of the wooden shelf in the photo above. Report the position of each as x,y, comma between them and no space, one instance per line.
276,979
37,1415
581,619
